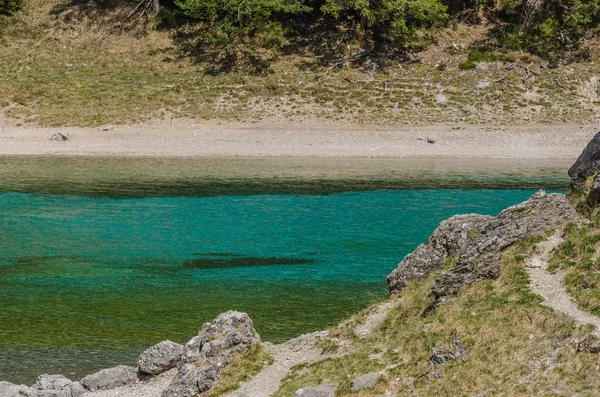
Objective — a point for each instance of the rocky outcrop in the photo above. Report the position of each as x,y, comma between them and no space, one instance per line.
8,389
159,358
206,355
476,243
110,378
53,386
587,165
199,364
585,179
447,241
443,352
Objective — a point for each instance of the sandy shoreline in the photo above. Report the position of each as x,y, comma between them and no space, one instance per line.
215,139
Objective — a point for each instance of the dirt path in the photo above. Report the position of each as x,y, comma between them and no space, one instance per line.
302,350
550,286
374,319
285,355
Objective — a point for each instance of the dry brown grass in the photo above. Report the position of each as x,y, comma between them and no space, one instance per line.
53,72
514,346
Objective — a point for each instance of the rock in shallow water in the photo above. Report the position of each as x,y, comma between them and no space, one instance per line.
110,378
160,358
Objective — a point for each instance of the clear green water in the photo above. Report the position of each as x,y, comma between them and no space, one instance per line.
101,258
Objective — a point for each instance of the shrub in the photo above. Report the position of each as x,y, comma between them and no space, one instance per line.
232,32
390,23
10,7
548,28
467,65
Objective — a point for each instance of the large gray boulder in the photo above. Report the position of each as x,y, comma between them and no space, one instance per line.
588,164
77,389
367,381
51,386
8,389
585,178
476,243
159,358
317,391
542,213
446,241
110,378
205,356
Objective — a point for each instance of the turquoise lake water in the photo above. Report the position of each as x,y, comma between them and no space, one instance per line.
101,258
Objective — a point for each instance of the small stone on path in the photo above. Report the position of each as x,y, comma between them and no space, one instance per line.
367,381
317,391
61,136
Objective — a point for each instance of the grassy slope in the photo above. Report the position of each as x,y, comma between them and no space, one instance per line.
53,72
514,346
579,258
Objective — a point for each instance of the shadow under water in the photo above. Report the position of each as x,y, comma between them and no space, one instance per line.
115,177
224,262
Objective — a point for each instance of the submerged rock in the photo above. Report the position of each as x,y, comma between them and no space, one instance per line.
475,242
206,355
110,378
160,358
317,391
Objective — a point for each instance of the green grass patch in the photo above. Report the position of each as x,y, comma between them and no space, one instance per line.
578,257
506,334
242,369
327,345
467,65
51,74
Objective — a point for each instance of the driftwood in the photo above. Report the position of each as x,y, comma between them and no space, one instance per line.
341,63
529,72
142,9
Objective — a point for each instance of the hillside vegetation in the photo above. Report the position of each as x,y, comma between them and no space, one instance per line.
79,63
509,344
